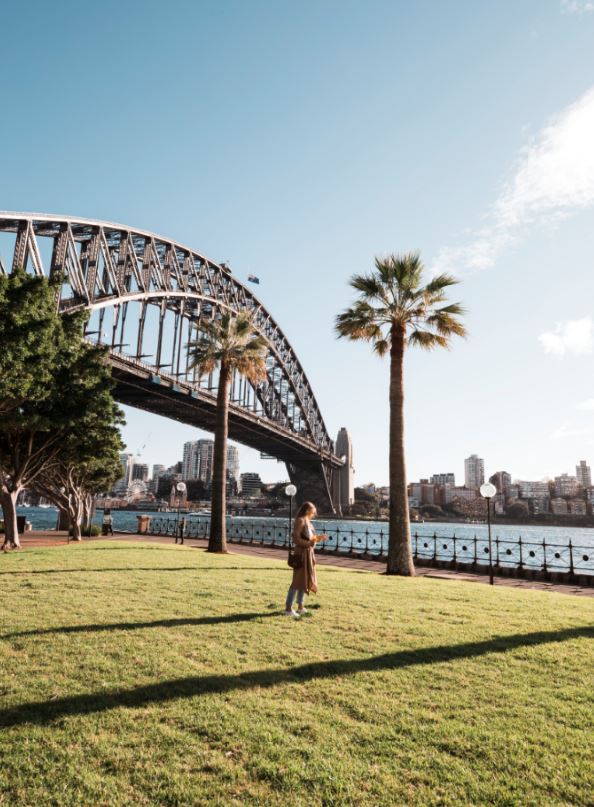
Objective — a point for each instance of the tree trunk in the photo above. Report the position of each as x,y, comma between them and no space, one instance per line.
75,510
11,530
400,560
63,519
218,524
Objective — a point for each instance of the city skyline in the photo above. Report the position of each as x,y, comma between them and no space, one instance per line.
492,178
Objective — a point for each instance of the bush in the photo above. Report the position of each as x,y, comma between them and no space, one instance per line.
95,530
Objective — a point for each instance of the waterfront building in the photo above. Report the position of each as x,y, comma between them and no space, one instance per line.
502,481
444,479
559,506
451,493
474,472
250,484
424,492
539,505
577,507
532,489
583,474
343,478
566,485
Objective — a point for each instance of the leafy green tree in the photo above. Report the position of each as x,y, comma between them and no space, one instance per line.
518,509
88,460
35,416
49,377
231,344
394,311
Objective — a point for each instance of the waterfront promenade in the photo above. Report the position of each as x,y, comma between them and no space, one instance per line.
37,539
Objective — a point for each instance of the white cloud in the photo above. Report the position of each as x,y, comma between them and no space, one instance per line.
566,431
586,406
553,177
577,6
574,336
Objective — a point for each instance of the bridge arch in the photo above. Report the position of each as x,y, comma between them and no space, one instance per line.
148,297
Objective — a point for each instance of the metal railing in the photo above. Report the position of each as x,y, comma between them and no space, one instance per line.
521,554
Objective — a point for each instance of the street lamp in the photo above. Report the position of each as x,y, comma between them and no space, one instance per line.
487,492
290,491
181,489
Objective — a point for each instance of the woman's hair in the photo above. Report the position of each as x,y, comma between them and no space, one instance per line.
305,509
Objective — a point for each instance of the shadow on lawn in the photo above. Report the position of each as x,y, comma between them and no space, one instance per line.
159,623
44,712
24,573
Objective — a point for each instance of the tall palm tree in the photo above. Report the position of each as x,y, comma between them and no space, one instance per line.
230,344
394,311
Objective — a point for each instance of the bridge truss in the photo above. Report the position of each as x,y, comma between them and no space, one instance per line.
148,297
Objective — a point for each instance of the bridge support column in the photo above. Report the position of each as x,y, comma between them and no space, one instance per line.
312,480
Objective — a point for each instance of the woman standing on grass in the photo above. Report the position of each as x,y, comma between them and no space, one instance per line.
304,578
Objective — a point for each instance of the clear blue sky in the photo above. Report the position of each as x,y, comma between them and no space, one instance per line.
297,140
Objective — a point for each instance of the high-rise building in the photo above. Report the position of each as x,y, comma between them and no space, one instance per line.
126,477
583,474
233,462
197,460
502,481
474,472
343,478
140,470
443,479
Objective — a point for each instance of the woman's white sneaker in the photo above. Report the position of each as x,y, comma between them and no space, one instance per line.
294,614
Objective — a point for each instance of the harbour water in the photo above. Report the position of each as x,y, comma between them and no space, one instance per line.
533,546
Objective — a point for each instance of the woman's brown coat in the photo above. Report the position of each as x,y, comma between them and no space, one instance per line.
304,579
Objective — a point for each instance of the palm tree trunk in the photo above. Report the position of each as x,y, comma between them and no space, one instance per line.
400,559
218,527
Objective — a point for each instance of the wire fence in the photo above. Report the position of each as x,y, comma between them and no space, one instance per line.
358,541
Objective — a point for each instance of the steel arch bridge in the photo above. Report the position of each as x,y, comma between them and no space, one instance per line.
148,297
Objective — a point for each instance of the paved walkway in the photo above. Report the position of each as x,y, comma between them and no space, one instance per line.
53,538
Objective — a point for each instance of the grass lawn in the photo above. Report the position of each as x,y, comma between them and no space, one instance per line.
138,674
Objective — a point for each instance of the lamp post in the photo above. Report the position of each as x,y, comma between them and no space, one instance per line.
290,491
181,489
487,492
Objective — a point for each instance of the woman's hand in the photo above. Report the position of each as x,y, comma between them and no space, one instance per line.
321,538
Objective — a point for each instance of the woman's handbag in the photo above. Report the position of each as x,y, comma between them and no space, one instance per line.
294,560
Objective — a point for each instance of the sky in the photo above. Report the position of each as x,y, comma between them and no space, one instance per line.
296,141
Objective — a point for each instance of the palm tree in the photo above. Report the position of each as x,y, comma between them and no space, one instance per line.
394,311
231,344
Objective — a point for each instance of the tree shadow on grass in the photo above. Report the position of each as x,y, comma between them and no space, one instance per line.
158,623
45,712
202,569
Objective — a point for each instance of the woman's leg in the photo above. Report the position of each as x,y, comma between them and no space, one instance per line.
300,598
290,598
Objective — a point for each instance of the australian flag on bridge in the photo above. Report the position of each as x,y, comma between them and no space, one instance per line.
254,279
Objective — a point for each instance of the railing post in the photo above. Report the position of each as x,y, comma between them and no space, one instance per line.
497,551
337,539
416,552
521,563
571,567
454,539
434,545
366,541
475,550
544,556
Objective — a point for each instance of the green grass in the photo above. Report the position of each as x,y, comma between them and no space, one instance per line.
137,674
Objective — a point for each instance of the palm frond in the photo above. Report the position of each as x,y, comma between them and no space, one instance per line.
381,347
427,340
